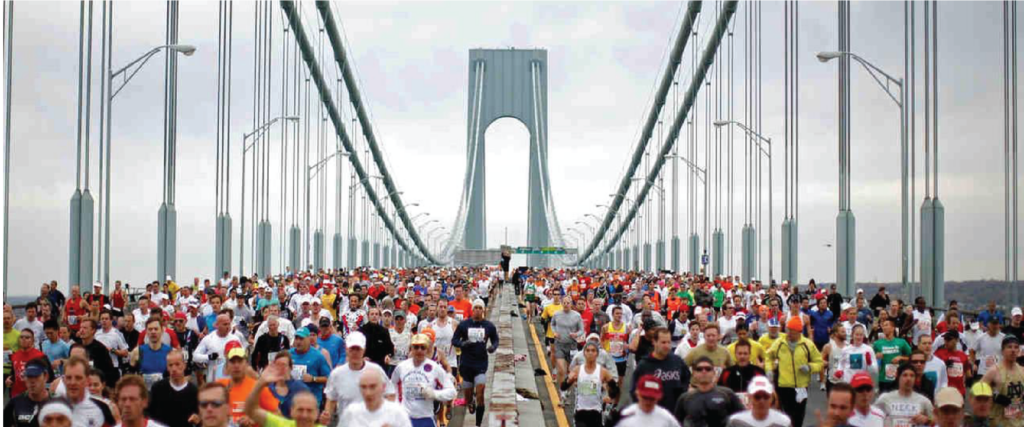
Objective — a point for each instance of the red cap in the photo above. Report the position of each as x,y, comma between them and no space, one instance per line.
861,379
180,316
649,386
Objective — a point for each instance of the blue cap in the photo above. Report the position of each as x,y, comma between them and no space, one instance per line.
34,369
302,333
773,323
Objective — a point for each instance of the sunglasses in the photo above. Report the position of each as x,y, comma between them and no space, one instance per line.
917,362
211,403
703,369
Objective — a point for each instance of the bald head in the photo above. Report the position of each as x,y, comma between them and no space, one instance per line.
371,385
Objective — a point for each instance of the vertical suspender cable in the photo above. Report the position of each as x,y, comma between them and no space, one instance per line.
8,63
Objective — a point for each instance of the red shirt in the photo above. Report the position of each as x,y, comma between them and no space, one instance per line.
956,367
167,332
18,361
73,313
588,319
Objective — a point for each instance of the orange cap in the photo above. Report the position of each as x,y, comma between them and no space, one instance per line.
794,323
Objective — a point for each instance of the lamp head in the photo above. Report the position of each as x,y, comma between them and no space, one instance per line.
720,123
292,118
186,49
828,55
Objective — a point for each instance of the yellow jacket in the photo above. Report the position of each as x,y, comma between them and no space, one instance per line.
548,312
786,363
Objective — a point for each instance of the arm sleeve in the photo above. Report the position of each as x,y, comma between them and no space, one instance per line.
815,358
680,411
447,391
201,355
492,333
459,336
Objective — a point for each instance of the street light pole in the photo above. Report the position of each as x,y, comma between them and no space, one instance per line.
899,99
256,134
768,153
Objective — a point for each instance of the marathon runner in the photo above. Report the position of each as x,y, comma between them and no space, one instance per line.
472,336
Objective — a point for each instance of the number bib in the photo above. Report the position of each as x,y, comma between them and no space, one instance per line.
956,370
476,334
616,348
1014,412
890,372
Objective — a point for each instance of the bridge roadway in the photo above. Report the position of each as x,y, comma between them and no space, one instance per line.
535,397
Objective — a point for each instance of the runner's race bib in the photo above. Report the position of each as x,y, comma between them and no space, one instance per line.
298,371
1014,412
151,379
956,370
890,372
476,334
745,398
616,348
991,361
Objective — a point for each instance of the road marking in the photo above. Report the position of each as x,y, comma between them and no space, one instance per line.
552,392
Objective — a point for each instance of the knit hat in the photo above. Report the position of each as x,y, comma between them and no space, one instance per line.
794,324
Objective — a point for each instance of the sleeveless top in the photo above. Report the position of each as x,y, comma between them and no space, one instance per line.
835,356
1011,384
588,389
615,341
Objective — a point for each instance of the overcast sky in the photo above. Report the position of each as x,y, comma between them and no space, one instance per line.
411,59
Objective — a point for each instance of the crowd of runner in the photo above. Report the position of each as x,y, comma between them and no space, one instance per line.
393,347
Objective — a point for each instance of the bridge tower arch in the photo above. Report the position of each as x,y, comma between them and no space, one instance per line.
508,83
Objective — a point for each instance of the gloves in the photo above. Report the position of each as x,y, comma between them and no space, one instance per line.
492,349
805,368
213,356
428,393
1002,400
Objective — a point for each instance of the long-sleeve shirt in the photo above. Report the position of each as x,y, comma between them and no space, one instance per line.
185,399
410,381
472,336
214,344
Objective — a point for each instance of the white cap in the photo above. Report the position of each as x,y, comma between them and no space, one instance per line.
54,407
97,284
1016,312
355,339
845,306
760,384
168,277
975,325
479,303
593,337
860,291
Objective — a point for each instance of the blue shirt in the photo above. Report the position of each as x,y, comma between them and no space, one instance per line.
208,322
153,361
56,351
314,364
335,347
821,320
984,316
285,402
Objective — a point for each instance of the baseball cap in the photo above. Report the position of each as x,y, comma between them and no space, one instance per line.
773,323
420,339
325,322
234,349
479,303
981,389
1016,312
594,337
180,316
355,339
760,384
948,396
649,386
302,333
313,330
399,313
35,368
861,379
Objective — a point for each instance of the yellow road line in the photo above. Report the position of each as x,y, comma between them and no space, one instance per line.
552,392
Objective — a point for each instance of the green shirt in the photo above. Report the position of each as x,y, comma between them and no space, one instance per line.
886,351
686,295
719,297
10,346
274,420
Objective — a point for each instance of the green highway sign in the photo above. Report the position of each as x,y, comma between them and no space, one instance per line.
547,250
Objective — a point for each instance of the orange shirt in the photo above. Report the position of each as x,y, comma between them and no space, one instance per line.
238,393
463,309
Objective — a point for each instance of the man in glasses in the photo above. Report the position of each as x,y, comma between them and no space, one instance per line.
864,414
213,405
420,382
705,404
760,413
922,384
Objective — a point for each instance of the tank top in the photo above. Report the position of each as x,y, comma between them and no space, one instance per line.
588,389
835,356
615,341
1011,384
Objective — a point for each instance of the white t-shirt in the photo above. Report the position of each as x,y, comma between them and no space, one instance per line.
633,416
389,414
410,380
149,423
114,340
35,326
343,385
988,350
443,340
746,419
874,418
